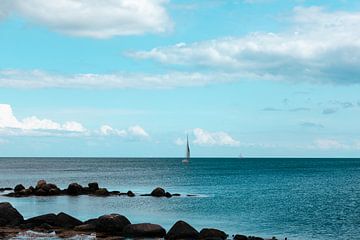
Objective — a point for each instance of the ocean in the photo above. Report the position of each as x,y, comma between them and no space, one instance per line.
283,197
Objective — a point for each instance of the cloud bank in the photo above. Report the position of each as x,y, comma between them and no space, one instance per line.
320,47
203,137
93,18
41,79
34,126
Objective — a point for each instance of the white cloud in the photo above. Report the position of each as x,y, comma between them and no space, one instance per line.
329,144
107,130
320,47
93,18
138,131
40,79
132,132
10,125
203,137
33,126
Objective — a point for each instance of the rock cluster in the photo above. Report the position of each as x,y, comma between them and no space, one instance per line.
43,188
112,225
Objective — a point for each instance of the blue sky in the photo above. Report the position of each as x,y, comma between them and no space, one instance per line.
132,78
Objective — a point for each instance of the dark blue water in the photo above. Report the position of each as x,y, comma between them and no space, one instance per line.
297,198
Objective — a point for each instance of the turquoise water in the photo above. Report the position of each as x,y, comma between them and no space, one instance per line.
296,198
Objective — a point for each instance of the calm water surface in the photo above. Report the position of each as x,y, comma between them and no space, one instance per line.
298,198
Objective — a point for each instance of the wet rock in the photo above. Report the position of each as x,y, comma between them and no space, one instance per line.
93,186
182,230
18,188
85,227
25,192
9,215
102,192
168,195
158,192
40,184
113,223
40,192
176,195
67,221
240,237
144,230
50,219
212,234
74,189
5,189
130,194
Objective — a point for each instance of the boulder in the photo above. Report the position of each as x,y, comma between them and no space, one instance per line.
50,219
9,215
93,186
144,230
168,195
25,192
102,192
113,223
182,230
40,192
130,194
240,237
74,189
158,192
212,234
18,188
40,184
66,221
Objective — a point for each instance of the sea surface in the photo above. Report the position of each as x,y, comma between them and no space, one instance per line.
295,198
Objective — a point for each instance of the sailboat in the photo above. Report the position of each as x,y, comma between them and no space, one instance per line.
187,159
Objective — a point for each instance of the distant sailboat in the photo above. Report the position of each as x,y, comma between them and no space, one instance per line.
187,160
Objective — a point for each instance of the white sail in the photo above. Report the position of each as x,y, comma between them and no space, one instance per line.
187,148
187,159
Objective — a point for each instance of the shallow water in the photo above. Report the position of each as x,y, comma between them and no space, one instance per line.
297,198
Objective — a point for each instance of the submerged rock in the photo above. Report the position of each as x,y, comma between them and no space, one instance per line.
9,215
144,230
113,223
182,230
212,234
158,192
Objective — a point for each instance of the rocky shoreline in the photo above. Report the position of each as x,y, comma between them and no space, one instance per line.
112,226
43,188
